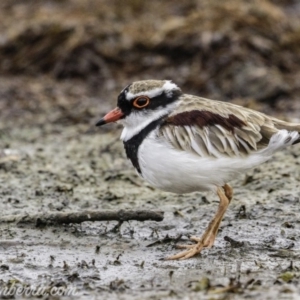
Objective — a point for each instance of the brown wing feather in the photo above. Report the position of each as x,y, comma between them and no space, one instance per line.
208,127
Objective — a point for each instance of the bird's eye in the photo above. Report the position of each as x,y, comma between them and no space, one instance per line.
141,102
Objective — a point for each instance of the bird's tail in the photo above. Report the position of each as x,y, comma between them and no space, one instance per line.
280,140
291,127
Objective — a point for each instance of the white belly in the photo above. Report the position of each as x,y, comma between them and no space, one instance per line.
181,172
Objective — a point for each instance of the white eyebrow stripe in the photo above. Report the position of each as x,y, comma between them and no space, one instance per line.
168,87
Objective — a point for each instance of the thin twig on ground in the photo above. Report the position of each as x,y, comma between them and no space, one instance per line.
83,216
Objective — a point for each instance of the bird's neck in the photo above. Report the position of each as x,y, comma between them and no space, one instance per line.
137,122
132,145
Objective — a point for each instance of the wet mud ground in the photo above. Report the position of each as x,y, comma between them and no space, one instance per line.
62,65
52,168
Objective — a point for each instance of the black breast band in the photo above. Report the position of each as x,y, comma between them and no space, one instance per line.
132,145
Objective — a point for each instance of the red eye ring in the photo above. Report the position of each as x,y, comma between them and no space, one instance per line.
141,101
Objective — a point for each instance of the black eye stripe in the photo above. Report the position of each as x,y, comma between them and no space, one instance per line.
161,100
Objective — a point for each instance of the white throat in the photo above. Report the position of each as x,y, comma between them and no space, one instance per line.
137,121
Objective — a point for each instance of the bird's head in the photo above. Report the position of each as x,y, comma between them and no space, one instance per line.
142,102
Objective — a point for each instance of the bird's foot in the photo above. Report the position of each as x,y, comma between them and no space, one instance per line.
193,250
208,241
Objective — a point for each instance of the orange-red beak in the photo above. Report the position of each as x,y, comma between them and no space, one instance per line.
113,116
